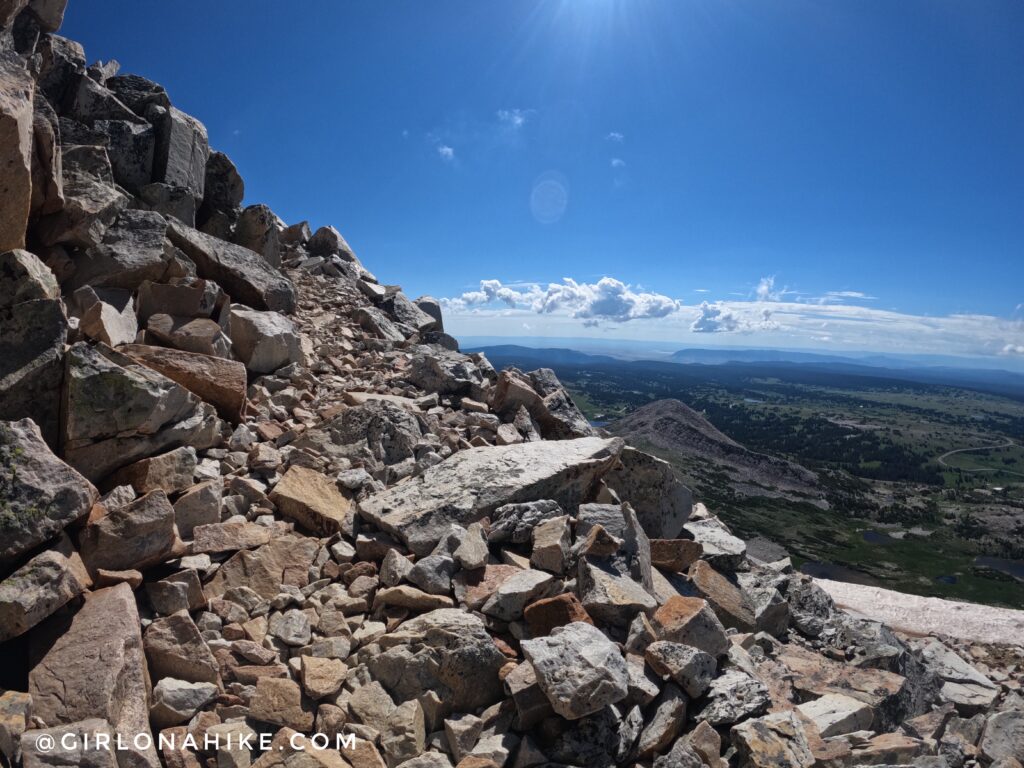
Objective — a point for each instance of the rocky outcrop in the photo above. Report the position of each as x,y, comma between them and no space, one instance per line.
320,518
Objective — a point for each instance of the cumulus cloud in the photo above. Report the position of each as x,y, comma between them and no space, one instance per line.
607,300
446,153
715,318
615,136
1012,349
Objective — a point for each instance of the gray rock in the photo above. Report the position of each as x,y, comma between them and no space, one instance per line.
264,341
32,338
962,685
810,607
40,494
515,522
246,277
447,651
835,714
692,668
473,551
106,315
327,241
182,148
91,201
23,277
291,627
776,739
405,312
176,649
433,574
446,373
47,159
224,188
1003,738
16,126
511,597
177,701
130,147
432,307
551,541
610,595
259,229
662,503
137,92
473,483
721,549
605,738
169,200
579,669
664,722
96,669
133,250
118,411
385,430
733,697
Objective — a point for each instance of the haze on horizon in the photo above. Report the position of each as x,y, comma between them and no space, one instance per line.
802,175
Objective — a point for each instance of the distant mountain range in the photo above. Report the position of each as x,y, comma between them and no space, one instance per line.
994,381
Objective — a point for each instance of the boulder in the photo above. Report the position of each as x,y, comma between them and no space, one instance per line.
611,595
664,722
721,549
132,537
16,127
170,472
432,307
106,315
447,651
447,373
47,162
542,616
23,277
96,668
836,714
579,669
132,251
541,394
182,149
224,188
40,495
1003,738
168,200
662,503
773,740
285,560
175,649
131,145
32,338
382,428
689,620
313,501
36,590
91,201
182,297
243,274
88,102
177,701
691,668
280,702
219,382
734,696
473,483
199,505
327,241
259,229
117,411
199,335
137,92
264,341
962,685
508,600
49,13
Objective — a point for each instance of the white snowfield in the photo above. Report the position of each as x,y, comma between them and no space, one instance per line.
929,615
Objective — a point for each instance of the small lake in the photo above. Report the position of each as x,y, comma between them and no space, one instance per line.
1013,568
877,537
837,573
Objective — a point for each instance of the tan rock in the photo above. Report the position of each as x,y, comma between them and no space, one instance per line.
405,596
280,702
689,620
175,649
23,277
725,598
322,677
96,669
771,741
134,536
544,615
41,586
674,554
170,472
229,537
313,501
285,560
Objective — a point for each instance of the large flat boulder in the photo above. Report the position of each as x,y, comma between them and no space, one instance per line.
91,199
96,668
132,251
134,536
662,503
40,495
117,411
243,274
475,482
16,117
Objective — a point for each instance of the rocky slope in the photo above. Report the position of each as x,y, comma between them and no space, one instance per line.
251,498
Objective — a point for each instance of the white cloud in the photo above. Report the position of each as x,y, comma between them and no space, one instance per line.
515,118
618,162
714,318
446,153
615,136
702,290
607,300
1012,349
765,290
840,295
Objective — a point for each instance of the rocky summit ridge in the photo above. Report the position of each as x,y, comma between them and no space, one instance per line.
246,489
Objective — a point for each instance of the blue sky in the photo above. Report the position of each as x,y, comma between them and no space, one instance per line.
799,174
